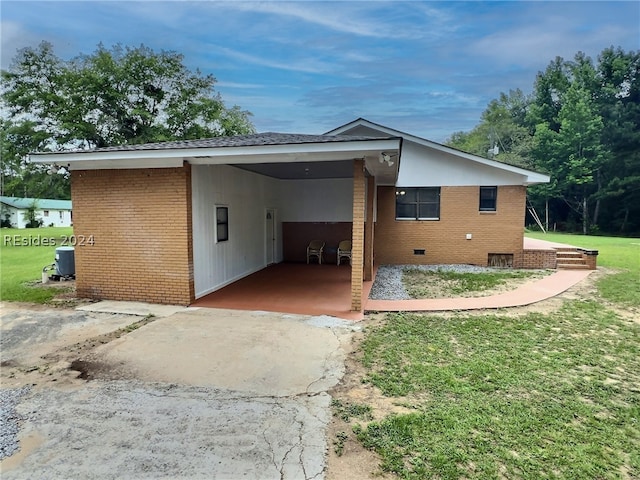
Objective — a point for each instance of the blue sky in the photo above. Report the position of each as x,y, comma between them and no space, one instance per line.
427,68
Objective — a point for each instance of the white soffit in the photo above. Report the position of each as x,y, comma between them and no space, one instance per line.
158,158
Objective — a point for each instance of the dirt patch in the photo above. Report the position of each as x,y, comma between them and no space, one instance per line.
430,284
58,360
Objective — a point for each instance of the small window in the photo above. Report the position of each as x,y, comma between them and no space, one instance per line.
61,215
46,213
421,203
222,224
488,197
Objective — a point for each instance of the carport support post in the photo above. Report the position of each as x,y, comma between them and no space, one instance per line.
357,235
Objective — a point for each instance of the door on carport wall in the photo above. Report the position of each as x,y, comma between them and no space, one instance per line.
270,235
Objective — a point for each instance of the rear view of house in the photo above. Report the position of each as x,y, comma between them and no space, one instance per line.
174,221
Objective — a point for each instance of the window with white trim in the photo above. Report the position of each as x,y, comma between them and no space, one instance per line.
222,224
418,203
488,199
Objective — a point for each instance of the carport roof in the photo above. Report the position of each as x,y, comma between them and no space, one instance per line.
252,140
275,154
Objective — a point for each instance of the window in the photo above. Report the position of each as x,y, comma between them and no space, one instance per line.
46,213
421,203
488,197
222,224
61,215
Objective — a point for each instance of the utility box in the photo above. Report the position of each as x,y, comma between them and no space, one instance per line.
65,261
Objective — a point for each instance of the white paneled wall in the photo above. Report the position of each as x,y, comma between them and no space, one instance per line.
329,200
248,195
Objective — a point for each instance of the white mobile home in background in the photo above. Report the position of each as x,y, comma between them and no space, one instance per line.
53,213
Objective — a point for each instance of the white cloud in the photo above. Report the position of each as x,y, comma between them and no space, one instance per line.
14,37
306,65
549,34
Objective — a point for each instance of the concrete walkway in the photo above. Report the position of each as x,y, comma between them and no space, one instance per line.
529,293
197,394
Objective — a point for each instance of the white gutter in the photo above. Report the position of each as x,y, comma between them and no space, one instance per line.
217,155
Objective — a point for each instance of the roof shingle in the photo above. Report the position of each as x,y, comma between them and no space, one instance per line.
253,140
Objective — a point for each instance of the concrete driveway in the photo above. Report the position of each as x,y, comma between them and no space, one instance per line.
200,393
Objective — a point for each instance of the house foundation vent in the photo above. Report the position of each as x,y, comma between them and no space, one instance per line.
419,251
500,260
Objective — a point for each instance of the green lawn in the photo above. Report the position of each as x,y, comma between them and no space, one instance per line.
619,253
21,261
537,395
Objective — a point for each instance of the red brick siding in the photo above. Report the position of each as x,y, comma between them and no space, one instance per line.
140,221
357,237
536,259
591,259
445,240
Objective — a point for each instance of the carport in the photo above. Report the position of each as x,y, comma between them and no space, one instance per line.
291,288
208,213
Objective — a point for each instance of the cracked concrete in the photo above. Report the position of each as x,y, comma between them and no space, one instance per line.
198,394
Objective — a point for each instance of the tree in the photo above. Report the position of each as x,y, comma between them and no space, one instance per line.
501,134
31,216
19,178
574,153
581,125
619,101
111,97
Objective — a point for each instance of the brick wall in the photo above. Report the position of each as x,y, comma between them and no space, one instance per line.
444,240
357,239
590,258
140,222
536,259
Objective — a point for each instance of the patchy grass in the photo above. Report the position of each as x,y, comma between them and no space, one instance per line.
441,283
346,410
338,443
620,253
540,396
21,262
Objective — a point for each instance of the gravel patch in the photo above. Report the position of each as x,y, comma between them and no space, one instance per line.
9,419
388,283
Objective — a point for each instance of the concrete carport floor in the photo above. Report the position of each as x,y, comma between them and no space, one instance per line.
201,393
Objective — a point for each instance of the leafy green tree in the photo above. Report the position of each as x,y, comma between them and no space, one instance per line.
111,97
575,152
600,106
581,125
22,179
501,134
619,101
31,217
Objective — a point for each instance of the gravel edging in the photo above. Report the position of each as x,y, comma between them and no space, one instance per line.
10,419
388,283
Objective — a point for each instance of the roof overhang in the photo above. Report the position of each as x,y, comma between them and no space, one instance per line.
385,167
529,177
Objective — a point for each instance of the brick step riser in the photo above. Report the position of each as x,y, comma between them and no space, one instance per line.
573,261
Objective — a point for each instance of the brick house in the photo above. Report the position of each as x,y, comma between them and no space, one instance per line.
174,221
